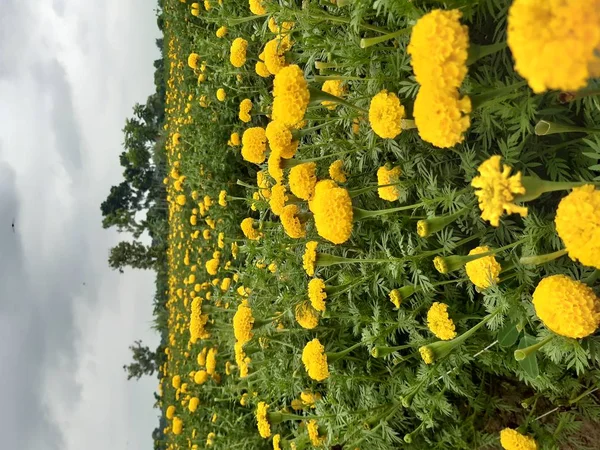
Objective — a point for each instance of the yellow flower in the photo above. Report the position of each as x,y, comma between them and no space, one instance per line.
292,224
200,377
276,441
281,139
317,294
170,412
513,440
222,31
176,139
248,229
221,94
566,306
315,360
439,49
578,225
254,145
234,140
223,198
302,179
555,42
309,258
193,60
333,87
212,266
291,96
278,199
207,5
333,214
257,7
439,322
243,322
336,171
195,9
177,425
264,427
201,359
237,53
442,117
306,316
193,405
181,200
427,354
483,272
210,439
244,399
388,176
261,69
211,361
245,108
496,190
274,167
386,114
309,399
313,433
274,54
395,297
206,234
272,267
176,381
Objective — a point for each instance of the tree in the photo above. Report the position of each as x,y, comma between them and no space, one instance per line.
133,254
144,362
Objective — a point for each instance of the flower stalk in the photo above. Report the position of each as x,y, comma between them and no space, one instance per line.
523,353
317,96
545,127
537,260
477,52
447,264
535,187
368,42
427,227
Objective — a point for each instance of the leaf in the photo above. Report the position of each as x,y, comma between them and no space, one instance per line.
594,167
529,364
508,335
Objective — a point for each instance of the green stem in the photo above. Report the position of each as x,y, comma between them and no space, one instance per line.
336,19
536,260
368,42
566,97
545,127
479,100
477,52
523,353
535,187
336,356
317,96
360,214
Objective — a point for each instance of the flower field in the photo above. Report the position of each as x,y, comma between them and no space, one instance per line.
383,225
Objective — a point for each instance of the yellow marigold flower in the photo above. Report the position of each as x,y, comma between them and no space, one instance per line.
176,139
306,316
234,139
309,399
223,198
176,381
257,7
211,361
201,78
170,411
244,399
388,176
281,139
395,297
440,324
317,294
221,94
243,321
313,433
272,267
336,171
442,117
193,60
578,225
206,234
254,145
291,96
309,258
193,405
222,31
195,9
321,187
261,69
207,5
302,179
386,115
292,224
193,220
485,271
180,199
333,87
496,190
274,167
297,404
200,377
276,441
333,214
278,199
214,418
427,355
177,425
210,439
513,440
226,284
245,108
566,306
212,266
248,229
315,360
555,42
274,54
439,47
262,420
201,359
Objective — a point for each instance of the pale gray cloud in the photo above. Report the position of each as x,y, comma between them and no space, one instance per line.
69,73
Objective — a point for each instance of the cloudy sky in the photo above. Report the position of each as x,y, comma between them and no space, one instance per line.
70,71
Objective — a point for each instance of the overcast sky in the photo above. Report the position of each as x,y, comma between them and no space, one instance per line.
70,71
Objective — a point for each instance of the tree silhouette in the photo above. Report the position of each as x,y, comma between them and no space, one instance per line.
133,254
144,362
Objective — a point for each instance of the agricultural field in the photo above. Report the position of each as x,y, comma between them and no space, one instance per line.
383,225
